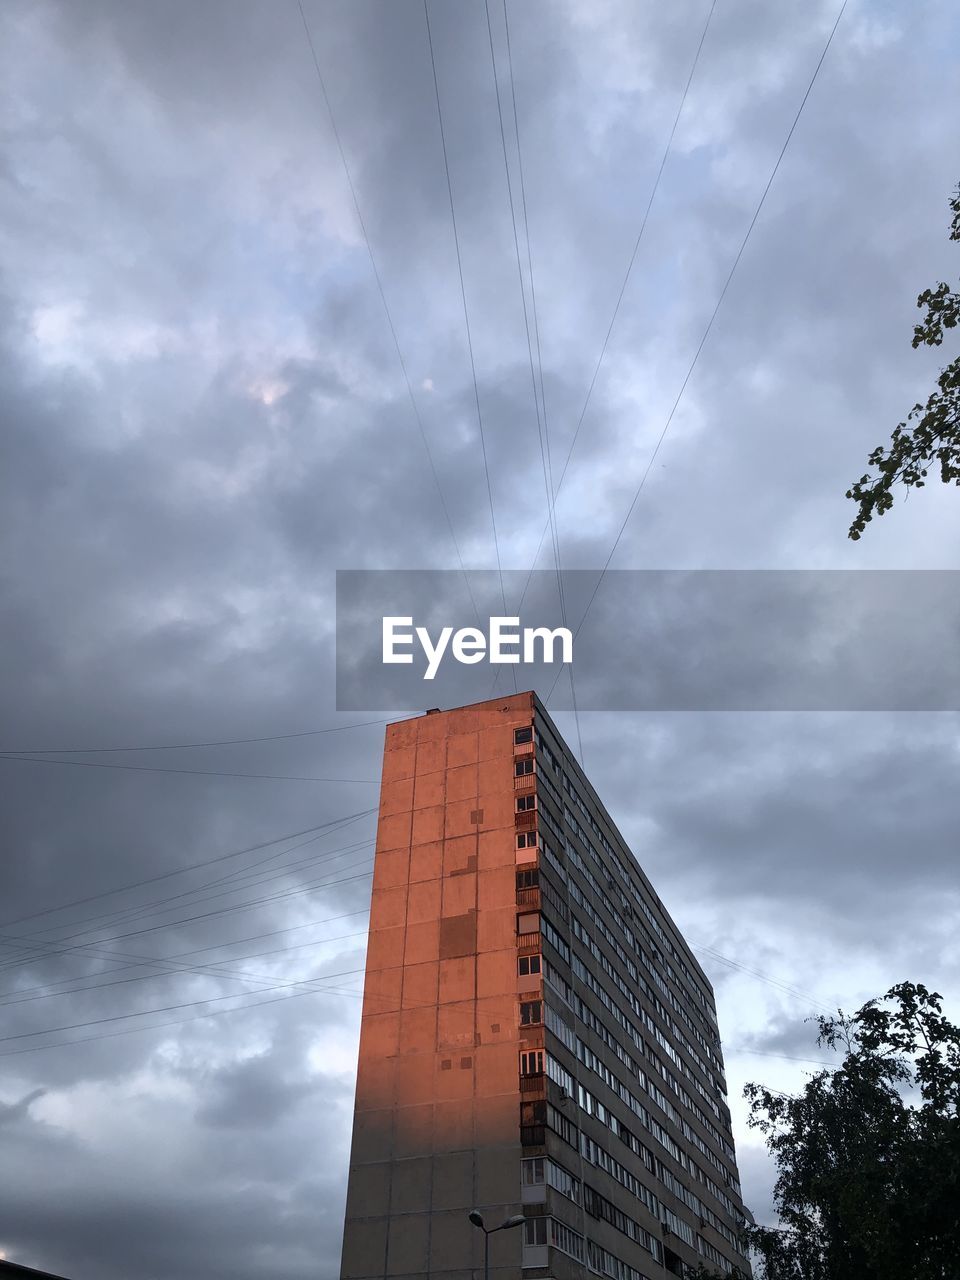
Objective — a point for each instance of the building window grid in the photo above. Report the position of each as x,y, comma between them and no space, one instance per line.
560,1028
696,996
580,971
589,942
604,895
592,1106
599,1206
596,919
680,1092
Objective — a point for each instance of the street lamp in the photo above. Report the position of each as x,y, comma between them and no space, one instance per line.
476,1217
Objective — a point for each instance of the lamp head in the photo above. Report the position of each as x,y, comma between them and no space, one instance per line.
476,1218
516,1221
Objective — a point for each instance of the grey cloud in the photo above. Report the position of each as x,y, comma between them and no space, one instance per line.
204,418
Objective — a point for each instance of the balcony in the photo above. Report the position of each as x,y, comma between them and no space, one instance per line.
529,898
534,1085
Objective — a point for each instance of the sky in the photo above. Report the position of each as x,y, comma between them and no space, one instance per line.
205,416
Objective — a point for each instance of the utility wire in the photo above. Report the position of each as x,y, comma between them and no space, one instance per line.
466,313
623,287
542,436
383,299
178,1022
709,327
536,329
122,1017
167,966
205,773
762,976
243,878
182,746
154,911
616,310
199,971
193,866
53,945
135,961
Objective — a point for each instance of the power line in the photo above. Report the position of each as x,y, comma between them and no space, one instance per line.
135,961
623,287
383,299
178,1022
202,971
251,875
466,314
762,976
152,910
205,773
182,746
122,1017
709,326
542,436
194,866
51,946
170,966
786,1057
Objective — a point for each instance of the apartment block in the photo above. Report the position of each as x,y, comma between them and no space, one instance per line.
537,1039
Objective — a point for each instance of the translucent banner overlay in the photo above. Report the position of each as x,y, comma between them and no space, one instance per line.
653,640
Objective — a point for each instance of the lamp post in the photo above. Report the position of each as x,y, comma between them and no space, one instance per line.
476,1217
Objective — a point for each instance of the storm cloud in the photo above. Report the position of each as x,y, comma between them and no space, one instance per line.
204,417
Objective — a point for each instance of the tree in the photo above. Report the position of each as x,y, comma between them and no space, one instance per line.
868,1155
931,434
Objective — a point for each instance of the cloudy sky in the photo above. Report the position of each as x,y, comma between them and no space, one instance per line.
204,416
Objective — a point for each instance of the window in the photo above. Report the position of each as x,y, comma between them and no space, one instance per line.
531,1062
529,879
562,1126
528,922
531,1172
562,1181
522,735
535,1231
531,1013
525,803
526,965
526,840
566,1240
560,1075
522,767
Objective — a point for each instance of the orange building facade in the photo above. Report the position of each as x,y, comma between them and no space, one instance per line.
536,1038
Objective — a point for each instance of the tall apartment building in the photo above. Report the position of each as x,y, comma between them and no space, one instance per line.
536,1037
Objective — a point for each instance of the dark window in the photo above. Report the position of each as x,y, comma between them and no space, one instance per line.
528,879
522,735
531,1062
526,802
531,1013
527,840
526,965
522,767
533,1113
535,1231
